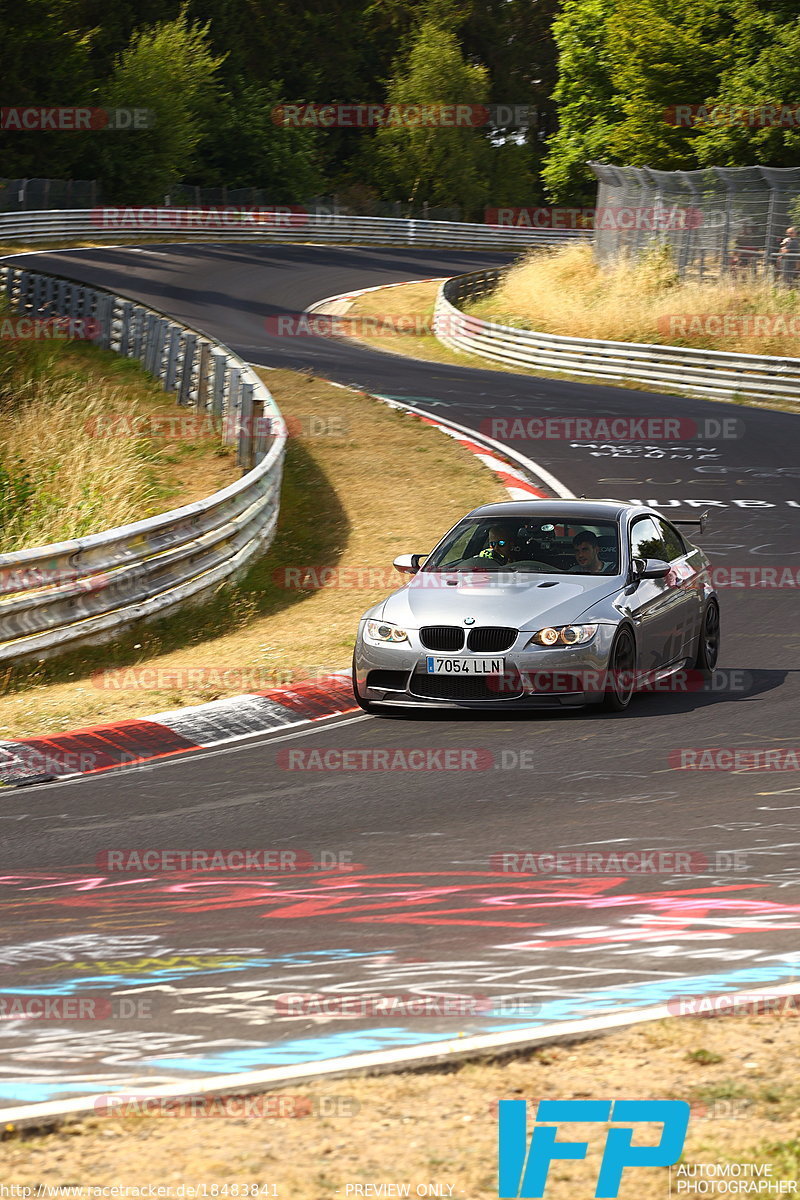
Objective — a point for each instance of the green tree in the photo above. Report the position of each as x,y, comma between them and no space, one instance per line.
431,163
662,56
766,72
589,107
169,69
243,147
44,59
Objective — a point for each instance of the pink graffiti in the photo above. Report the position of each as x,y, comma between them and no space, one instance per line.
456,898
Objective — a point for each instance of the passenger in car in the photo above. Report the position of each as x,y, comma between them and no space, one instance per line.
587,555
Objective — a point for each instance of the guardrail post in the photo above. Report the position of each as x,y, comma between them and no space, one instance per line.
231,409
125,314
105,317
155,357
261,428
189,341
203,373
171,361
244,454
25,290
220,362
137,330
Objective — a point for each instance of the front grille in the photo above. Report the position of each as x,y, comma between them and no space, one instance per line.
390,681
467,687
442,637
491,639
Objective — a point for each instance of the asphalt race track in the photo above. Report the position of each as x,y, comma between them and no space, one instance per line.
194,968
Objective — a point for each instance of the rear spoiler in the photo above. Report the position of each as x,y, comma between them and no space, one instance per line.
698,522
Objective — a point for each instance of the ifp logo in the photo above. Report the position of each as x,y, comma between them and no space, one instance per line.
523,1170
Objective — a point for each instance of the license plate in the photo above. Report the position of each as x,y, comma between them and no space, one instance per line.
465,666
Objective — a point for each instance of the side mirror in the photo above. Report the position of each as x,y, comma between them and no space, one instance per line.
408,564
651,568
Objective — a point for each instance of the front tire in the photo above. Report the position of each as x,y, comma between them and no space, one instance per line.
620,678
708,642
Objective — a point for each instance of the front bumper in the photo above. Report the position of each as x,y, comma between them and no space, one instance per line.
536,677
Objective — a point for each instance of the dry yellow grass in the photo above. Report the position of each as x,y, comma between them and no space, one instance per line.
440,1126
388,305
418,299
71,461
369,484
566,292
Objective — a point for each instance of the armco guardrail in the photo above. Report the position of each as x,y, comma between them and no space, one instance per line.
89,589
704,372
275,225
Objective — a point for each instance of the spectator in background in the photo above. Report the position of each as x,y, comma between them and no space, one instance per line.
788,257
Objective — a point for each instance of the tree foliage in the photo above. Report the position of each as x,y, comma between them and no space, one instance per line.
168,69
428,163
603,76
624,65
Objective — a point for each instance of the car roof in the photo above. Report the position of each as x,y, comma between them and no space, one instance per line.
581,510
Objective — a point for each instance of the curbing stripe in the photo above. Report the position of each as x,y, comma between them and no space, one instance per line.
126,743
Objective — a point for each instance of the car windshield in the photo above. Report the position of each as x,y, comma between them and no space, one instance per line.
547,545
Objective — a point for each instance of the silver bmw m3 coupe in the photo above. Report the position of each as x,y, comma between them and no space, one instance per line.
541,603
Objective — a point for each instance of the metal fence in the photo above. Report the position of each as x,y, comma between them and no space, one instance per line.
699,372
275,225
21,195
718,221
91,588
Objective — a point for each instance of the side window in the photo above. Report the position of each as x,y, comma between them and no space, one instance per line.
672,540
646,540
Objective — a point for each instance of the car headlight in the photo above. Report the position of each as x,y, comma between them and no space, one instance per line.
384,631
563,635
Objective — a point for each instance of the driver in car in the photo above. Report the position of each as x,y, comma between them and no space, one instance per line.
586,546
500,546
